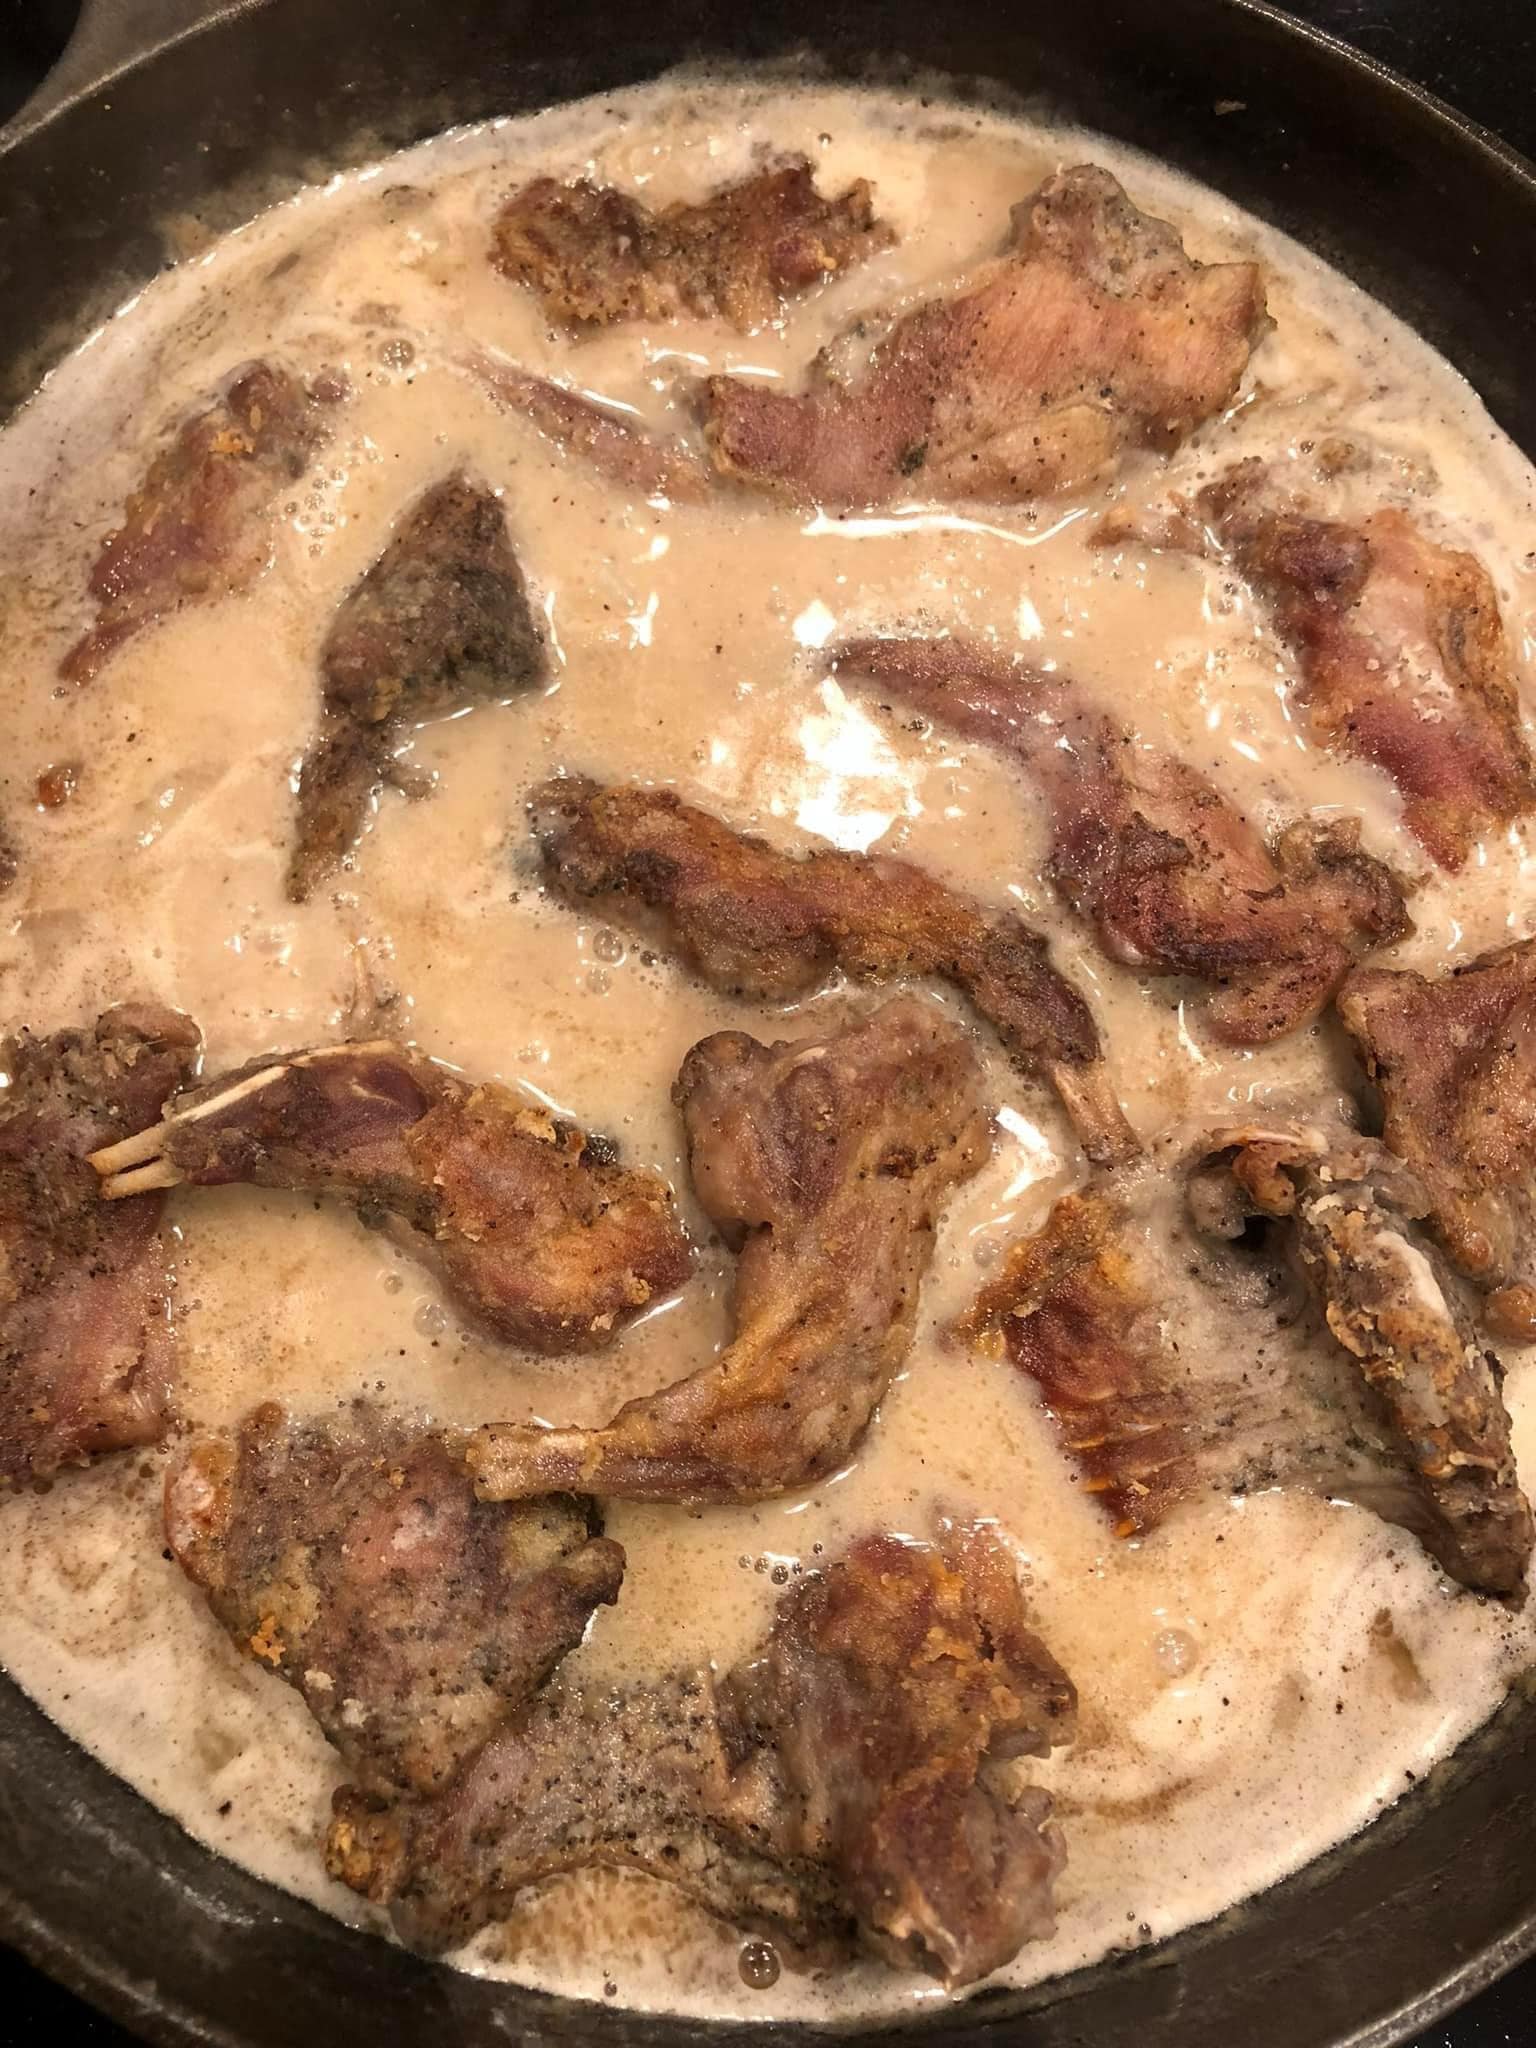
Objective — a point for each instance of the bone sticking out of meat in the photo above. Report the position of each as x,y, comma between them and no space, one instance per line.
1072,1311
841,1787
350,1556
1404,661
595,256
441,620
1093,333
200,525
1172,877
1454,1060
617,445
772,926
1394,1311
533,1228
85,1342
827,1162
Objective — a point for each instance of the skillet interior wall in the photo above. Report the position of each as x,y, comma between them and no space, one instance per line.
105,1891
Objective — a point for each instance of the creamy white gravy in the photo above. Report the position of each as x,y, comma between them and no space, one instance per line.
1258,1679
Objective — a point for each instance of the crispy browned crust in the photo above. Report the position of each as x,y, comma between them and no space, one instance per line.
888,1683
534,1229
1455,1062
1096,332
441,619
1070,1310
595,255
832,1791
828,1162
199,525
1171,876
1386,1303
85,1345
768,925
351,1557
1403,655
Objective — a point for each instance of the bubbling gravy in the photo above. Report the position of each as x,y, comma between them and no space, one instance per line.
1258,1677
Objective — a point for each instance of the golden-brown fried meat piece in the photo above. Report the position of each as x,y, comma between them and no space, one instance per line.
1403,657
85,1341
440,620
828,1162
1173,878
533,1227
754,922
1093,334
351,1556
595,255
200,524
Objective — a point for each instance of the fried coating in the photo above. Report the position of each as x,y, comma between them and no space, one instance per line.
441,620
1455,1062
754,922
351,1557
596,256
1403,657
86,1362
1094,333
1171,876
200,524
827,1161
534,1230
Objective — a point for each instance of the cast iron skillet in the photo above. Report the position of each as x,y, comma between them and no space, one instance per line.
153,118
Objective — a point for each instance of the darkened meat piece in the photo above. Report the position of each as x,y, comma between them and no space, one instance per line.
836,1788
1172,877
1455,1061
1074,1313
200,524
1093,334
827,1161
887,1685
85,1344
1385,1300
613,443
531,1226
1403,656
352,1557
9,859
595,255
441,619
768,925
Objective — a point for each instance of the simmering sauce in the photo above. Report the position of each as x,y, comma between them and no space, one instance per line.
1258,1677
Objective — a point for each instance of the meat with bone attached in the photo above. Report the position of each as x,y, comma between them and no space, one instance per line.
85,1343
440,620
200,525
1076,1315
1171,875
533,1228
1403,658
767,925
1094,333
595,255
1330,1357
1395,1312
1455,1062
838,1788
351,1556
827,1161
